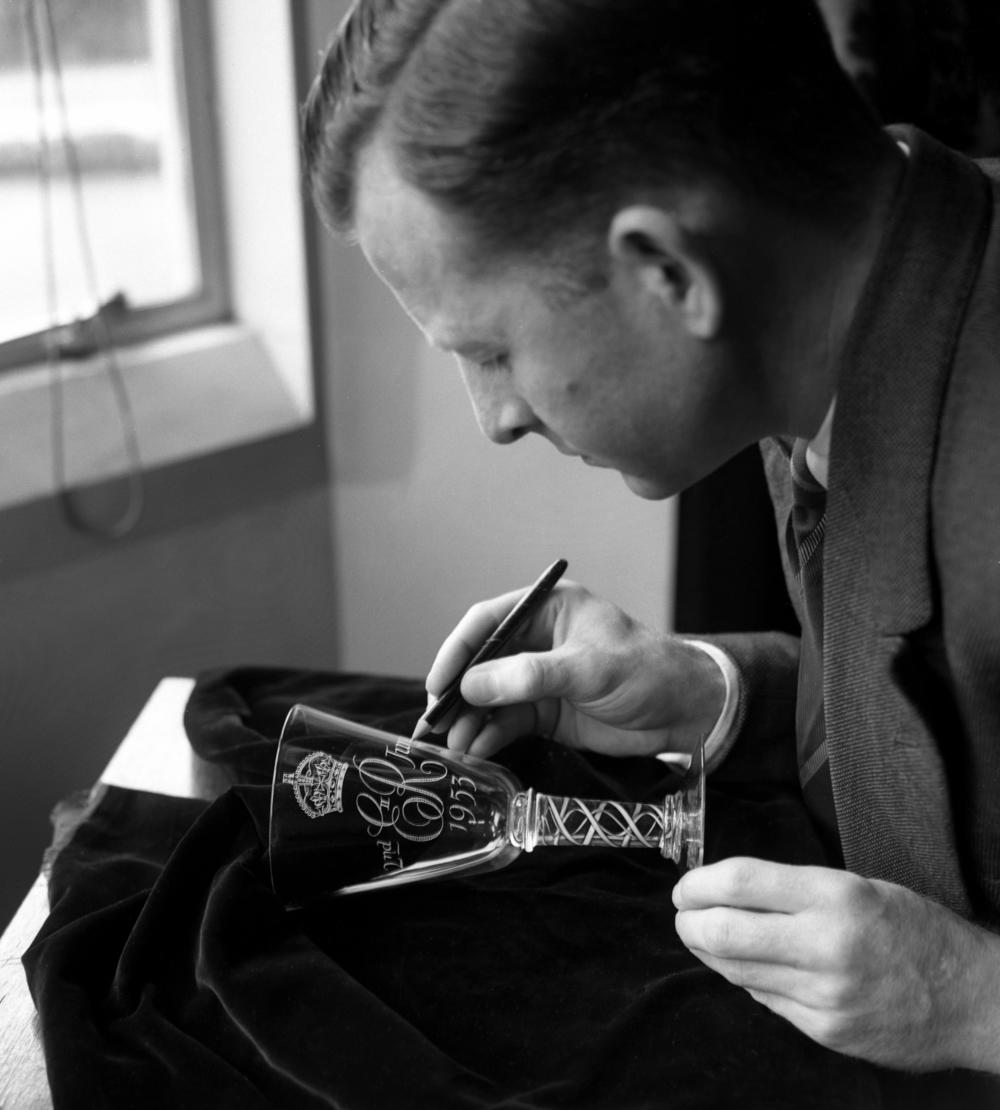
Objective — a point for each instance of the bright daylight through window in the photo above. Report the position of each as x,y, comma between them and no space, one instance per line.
106,106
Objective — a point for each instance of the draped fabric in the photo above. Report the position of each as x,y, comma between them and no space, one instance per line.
168,975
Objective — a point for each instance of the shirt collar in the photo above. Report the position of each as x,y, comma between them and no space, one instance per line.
818,449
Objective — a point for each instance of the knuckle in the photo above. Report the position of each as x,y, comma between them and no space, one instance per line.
815,1023
569,589
839,946
522,678
742,975
479,614
831,993
720,935
535,675
740,878
829,1028
855,894
564,673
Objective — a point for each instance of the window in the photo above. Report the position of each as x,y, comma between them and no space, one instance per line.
232,374
108,109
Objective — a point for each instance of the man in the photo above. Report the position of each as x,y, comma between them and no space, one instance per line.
658,231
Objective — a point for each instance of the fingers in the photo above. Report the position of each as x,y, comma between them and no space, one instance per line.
854,963
722,937
754,884
469,727
505,699
771,927
464,729
467,637
484,735
768,981
745,913
793,979
526,677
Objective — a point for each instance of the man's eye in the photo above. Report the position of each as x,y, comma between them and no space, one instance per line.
497,362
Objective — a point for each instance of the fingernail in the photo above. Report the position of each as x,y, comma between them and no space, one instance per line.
480,687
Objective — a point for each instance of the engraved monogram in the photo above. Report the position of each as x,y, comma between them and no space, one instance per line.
318,783
400,796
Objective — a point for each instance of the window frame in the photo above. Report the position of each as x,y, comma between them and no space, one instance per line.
211,301
203,396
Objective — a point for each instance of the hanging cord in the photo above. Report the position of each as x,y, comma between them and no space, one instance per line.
39,26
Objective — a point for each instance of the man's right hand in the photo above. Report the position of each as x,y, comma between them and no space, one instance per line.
582,672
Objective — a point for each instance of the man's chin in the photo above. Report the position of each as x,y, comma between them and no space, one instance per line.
649,489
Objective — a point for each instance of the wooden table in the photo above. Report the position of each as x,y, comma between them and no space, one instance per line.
154,756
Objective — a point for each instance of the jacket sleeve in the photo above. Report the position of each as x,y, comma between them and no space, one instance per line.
764,726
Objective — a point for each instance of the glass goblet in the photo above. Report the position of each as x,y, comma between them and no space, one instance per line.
354,808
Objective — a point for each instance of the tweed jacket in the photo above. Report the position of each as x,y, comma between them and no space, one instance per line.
911,652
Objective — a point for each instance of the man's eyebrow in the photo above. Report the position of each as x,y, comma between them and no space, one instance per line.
475,349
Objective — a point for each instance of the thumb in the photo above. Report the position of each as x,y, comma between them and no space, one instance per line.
514,679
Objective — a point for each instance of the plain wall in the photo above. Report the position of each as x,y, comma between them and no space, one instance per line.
428,516
231,564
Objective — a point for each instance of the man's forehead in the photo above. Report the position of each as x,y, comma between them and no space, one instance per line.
451,290
397,222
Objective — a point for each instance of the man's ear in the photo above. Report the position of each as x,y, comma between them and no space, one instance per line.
666,261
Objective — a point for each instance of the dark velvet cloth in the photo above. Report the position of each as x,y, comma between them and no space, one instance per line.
167,973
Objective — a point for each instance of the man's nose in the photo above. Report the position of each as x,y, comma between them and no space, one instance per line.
502,414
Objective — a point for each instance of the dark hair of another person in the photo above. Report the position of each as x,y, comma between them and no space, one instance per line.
531,119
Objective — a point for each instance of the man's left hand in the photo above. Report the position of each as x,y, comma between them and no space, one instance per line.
864,967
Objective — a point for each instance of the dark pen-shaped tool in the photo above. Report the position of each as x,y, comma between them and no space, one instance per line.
496,642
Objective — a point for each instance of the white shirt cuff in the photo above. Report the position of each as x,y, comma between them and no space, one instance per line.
721,738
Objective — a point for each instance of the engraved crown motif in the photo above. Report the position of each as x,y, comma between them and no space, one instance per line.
318,783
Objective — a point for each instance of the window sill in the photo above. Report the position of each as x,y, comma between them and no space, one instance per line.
190,395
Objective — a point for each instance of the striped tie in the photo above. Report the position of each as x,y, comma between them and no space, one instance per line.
804,541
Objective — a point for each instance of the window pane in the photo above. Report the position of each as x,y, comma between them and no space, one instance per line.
122,88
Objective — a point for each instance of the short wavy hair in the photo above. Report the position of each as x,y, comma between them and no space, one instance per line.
527,117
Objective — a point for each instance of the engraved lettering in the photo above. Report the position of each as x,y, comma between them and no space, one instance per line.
400,794
392,859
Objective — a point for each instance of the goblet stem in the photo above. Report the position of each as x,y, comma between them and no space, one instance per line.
587,822
674,826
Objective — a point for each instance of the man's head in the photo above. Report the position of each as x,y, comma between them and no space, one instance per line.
530,118
562,192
